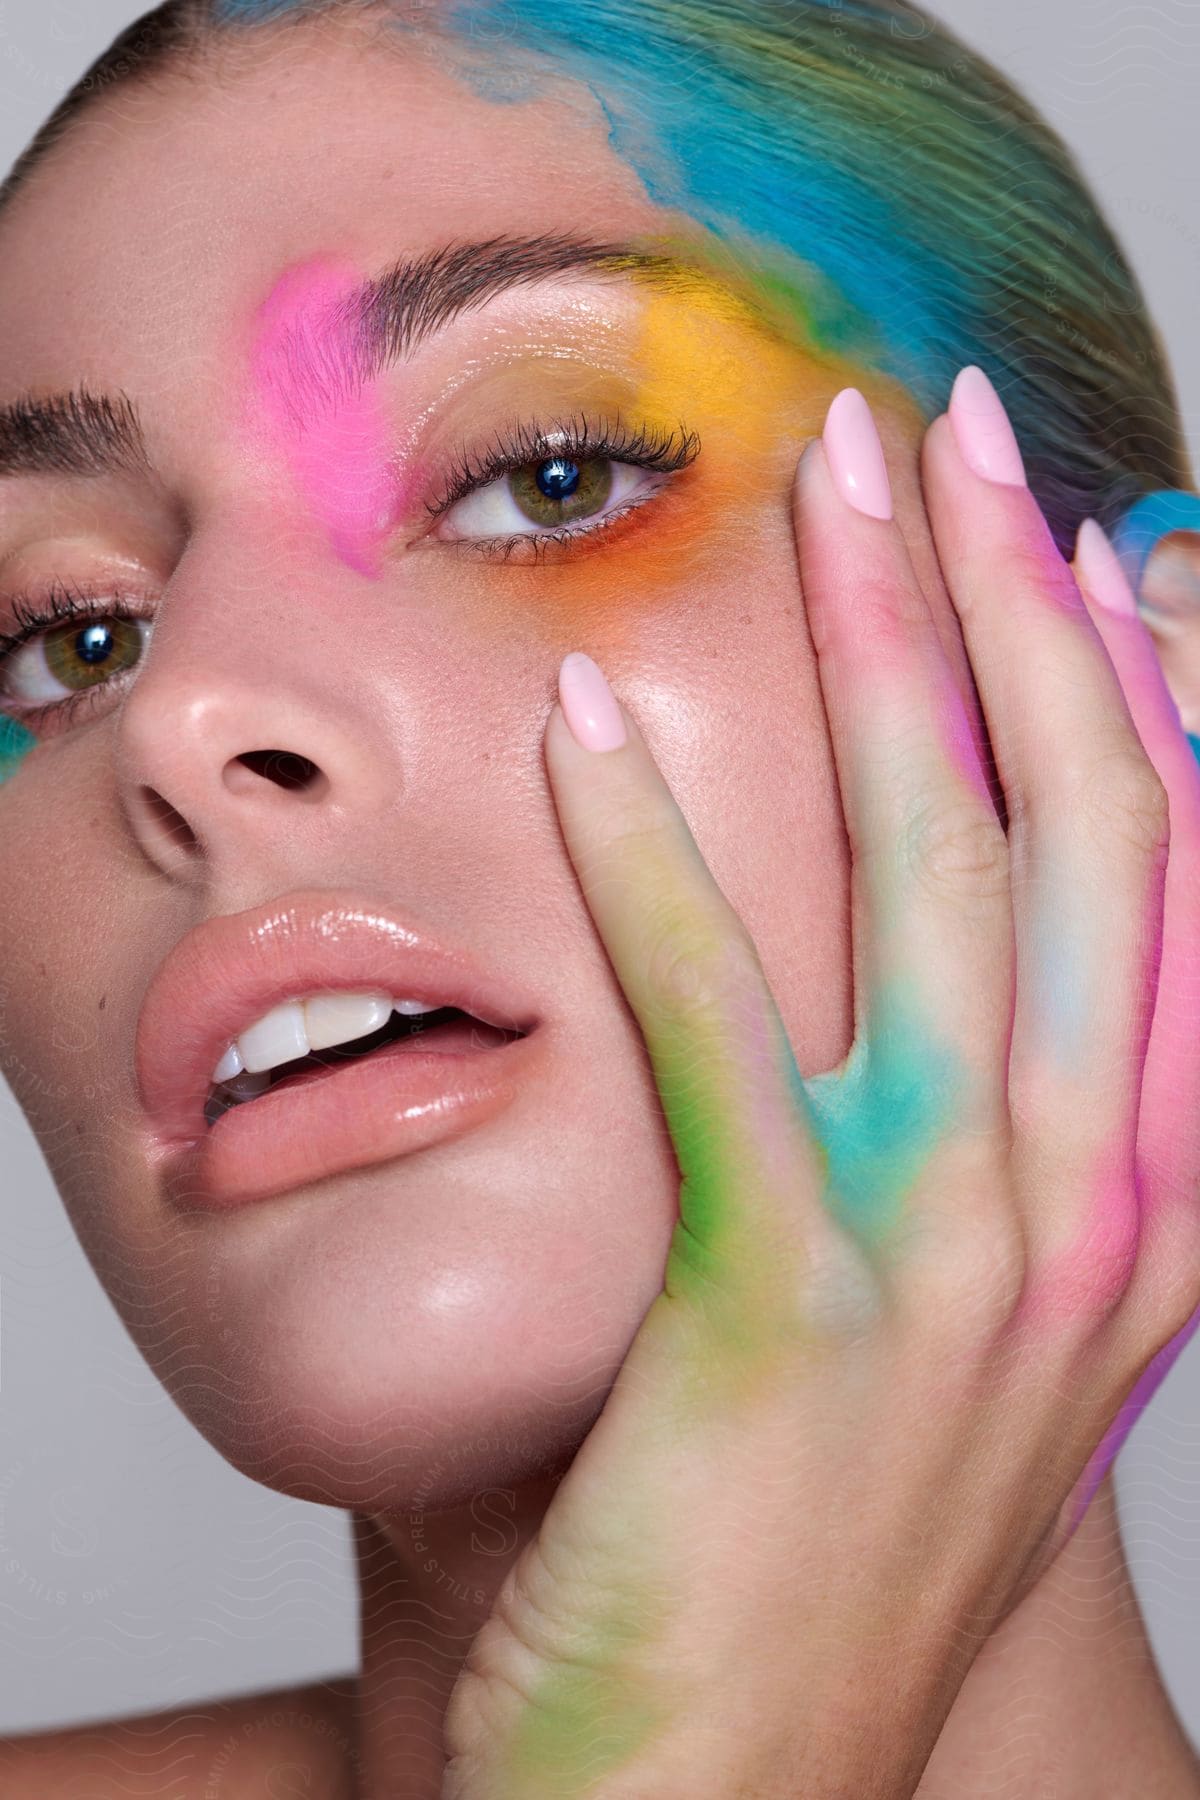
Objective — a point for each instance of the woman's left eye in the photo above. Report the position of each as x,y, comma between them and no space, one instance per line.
557,493
57,664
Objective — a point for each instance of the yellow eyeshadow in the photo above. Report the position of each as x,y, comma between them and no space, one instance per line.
701,362
701,365
701,357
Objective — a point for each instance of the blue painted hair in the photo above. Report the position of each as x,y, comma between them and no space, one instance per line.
919,210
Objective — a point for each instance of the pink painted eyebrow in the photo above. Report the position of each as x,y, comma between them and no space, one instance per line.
383,320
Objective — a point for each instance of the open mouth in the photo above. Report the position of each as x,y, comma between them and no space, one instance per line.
447,1031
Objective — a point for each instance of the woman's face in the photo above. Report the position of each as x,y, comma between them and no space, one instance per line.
447,1318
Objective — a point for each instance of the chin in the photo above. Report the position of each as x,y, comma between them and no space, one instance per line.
410,1334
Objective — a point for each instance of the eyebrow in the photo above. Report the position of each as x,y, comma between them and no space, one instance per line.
380,322
71,434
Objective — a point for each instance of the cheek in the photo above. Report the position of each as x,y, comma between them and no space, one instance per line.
759,790
723,679
703,632
74,943
54,940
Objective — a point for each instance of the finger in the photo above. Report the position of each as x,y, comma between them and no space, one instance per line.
752,1172
931,912
1087,836
1169,1121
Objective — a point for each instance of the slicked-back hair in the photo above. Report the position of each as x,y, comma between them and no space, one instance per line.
941,217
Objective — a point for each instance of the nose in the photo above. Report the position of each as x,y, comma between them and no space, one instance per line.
250,752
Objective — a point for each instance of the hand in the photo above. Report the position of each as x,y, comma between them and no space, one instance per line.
904,1299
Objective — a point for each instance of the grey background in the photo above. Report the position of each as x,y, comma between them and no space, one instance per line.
137,1570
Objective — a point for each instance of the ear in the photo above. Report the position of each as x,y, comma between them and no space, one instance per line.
1158,542
1169,601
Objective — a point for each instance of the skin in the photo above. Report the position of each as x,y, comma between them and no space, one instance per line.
460,826
989,1262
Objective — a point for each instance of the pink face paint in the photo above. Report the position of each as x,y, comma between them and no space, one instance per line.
329,429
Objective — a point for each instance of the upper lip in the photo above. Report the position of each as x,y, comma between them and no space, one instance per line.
230,970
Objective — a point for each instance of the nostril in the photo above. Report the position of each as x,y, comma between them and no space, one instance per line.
284,767
167,822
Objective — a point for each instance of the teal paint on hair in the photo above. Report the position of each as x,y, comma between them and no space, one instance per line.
255,12
928,215
15,745
703,136
922,212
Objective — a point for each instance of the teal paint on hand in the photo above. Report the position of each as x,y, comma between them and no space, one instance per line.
881,1116
15,745
1195,743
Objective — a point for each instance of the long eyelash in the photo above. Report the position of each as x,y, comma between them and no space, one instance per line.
666,452
61,603
532,546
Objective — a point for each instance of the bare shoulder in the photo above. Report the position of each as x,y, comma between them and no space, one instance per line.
210,1750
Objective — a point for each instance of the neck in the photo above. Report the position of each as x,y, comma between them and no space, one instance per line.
1064,1698
427,1582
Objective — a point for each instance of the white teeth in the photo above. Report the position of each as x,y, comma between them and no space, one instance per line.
278,1037
231,1064
298,1026
340,1018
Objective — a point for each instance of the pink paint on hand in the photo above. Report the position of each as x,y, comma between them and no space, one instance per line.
330,430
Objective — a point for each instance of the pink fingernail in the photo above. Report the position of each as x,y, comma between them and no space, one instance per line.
1099,570
589,704
985,438
855,454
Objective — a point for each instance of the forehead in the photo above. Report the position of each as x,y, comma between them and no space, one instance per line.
171,207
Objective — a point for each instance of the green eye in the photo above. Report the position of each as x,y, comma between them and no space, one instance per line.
82,656
559,489
554,494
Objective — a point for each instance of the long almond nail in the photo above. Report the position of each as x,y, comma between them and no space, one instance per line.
589,704
1100,570
855,455
985,438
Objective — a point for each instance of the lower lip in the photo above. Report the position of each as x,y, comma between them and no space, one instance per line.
397,1100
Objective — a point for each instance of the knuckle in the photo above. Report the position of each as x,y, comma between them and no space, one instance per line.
955,849
695,965
616,836
842,1300
1121,801
1038,567
1078,1292
875,618
965,1275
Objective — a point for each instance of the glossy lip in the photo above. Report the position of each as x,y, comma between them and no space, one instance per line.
388,1105
228,971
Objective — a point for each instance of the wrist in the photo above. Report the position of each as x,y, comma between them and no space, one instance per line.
871,1742
1066,1694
